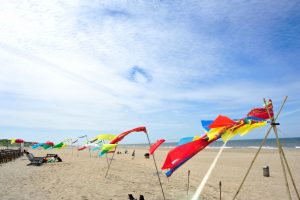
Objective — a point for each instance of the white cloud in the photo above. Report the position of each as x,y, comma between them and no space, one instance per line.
66,64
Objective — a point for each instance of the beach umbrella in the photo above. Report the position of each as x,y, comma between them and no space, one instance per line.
19,141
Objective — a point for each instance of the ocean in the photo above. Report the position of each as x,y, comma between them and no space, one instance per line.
293,143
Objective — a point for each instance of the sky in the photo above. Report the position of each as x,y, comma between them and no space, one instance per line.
75,67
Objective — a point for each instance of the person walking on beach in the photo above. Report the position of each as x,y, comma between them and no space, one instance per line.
133,154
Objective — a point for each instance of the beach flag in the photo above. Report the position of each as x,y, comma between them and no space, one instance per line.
34,146
81,148
106,137
59,145
47,145
103,137
106,148
222,127
187,140
121,136
262,113
205,124
156,145
181,154
12,141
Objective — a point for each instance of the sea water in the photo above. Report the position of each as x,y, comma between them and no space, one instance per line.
246,143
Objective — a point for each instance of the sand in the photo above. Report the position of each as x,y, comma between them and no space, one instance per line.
82,177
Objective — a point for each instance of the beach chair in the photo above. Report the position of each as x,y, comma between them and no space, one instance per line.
37,161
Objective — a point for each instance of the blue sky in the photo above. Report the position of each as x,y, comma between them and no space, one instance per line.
69,68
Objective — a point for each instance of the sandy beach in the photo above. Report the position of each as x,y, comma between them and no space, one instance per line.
80,176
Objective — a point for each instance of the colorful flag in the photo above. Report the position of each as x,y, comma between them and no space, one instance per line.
34,146
262,113
181,154
122,135
187,140
106,148
106,137
156,145
81,148
206,123
59,145
222,126
221,121
12,141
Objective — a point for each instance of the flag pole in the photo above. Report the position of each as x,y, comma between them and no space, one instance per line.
254,158
188,183
273,125
162,190
220,186
87,141
72,148
110,162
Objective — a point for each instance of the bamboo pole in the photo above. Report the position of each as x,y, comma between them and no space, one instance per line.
282,162
188,183
273,124
72,148
162,190
110,162
87,141
255,156
286,163
290,173
220,186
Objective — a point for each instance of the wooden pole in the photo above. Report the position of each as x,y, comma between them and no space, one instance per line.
290,173
72,148
87,141
282,162
273,124
262,143
220,186
188,183
110,162
162,190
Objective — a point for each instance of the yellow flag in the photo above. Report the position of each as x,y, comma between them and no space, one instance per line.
243,130
106,137
252,126
214,133
13,141
108,147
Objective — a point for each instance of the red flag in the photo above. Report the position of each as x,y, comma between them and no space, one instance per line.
81,148
262,112
181,154
122,135
156,145
221,121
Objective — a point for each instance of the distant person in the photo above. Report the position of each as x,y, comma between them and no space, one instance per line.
133,154
29,155
126,151
57,158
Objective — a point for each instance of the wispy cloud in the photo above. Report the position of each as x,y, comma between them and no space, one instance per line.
91,65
